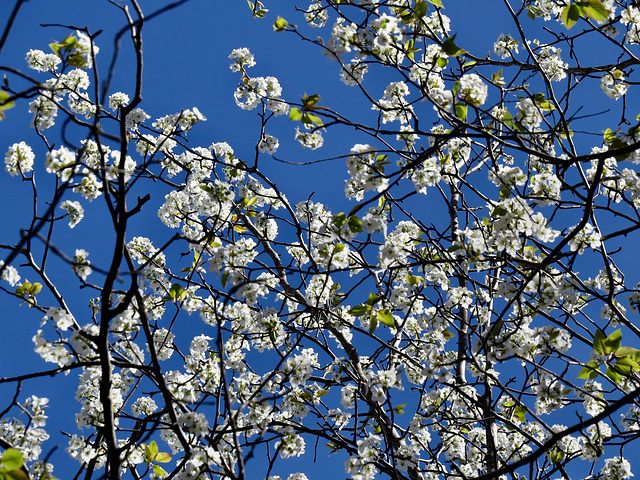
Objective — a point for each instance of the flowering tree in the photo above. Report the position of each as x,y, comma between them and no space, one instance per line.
470,314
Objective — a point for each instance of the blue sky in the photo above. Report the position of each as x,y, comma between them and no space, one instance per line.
186,66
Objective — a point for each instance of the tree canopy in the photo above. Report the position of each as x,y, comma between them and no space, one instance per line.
467,310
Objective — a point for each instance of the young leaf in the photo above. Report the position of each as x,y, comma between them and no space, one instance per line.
4,103
626,351
12,459
399,409
595,10
373,299
612,342
570,15
589,371
450,48
310,101
614,375
420,9
373,323
355,224
495,330
163,457
151,451
310,119
280,24
295,114
359,310
340,219
520,413
461,111
77,60
385,317
437,3
598,342
159,471
630,365
442,62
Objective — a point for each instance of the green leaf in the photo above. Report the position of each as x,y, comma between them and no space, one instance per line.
437,3
497,78
224,278
340,219
589,371
310,119
631,365
614,375
4,103
177,293
18,474
507,119
546,105
373,299
295,114
373,323
556,457
163,457
410,49
598,342
150,451
566,133
385,317
77,60
399,409
570,15
310,101
595,10
406,17
612,342
420,9
12,459
442,62
338,247
520,413
333,447
450,48
355,224
248,202
413,280
461,111
626,351
447,334
280,24
359,310
543,103
495,330
158,470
